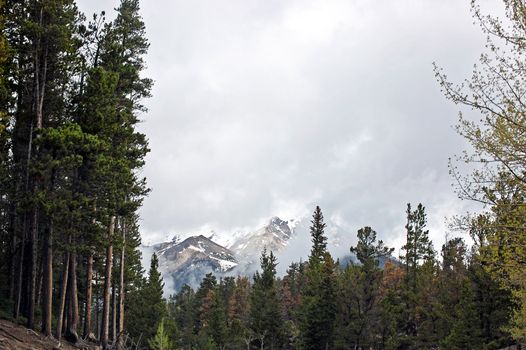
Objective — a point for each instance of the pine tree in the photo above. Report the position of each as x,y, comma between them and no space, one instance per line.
265,315
318,303
239,312
319,241
418,249
146,306
368,250
154,297
181,310
68,143
161,340
360,292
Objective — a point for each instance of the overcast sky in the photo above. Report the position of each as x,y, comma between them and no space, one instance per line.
270,107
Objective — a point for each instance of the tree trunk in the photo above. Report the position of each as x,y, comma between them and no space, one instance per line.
73,302
114,308
63,289
89,294
120,344
97,300
38,102
47,302
107,284
33,241
14,247
16,312
40,276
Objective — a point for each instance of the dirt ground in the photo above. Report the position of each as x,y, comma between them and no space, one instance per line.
13,336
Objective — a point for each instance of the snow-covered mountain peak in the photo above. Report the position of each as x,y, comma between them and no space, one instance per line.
187,261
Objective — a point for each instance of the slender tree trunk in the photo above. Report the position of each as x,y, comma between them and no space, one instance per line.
107,282
33,241
16,312
97,298
63,289
47,303
114,308
89,296
38,101
40,275
73,303
120,344
14,245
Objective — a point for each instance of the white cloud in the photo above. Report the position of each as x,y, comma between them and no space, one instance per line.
265,108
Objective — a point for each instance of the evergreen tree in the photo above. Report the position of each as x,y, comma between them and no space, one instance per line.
239,313
161,340
360,292
70,94
319,241
183,310
368,250
265,313
317,310
146,307
418,249
217,325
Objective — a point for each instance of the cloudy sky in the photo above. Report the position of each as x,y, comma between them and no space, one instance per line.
270,107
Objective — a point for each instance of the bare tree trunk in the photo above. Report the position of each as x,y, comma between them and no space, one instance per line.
120,344
16,312
73,305
33,241
97,299
114,308
47,303
38,101
63,289
40,276
89,295
107,282
14,247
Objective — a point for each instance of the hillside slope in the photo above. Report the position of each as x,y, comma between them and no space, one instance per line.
16,337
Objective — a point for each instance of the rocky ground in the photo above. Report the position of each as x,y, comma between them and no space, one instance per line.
13,336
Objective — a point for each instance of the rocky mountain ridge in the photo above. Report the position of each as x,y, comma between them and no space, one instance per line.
189,260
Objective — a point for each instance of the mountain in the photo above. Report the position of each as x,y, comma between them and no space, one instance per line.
273,237
187,262
237,253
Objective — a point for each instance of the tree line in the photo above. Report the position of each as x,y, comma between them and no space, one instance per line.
420,300
70,160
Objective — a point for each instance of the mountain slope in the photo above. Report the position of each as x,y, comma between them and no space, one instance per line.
273,237
189,261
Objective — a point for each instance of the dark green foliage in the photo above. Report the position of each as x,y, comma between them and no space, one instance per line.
70,93
418,260
146,307
453,304
359,321
368,251
319,241
265,314
318,303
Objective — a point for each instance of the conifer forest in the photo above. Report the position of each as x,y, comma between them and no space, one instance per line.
73,88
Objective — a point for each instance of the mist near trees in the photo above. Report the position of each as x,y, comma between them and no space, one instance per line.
419,300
